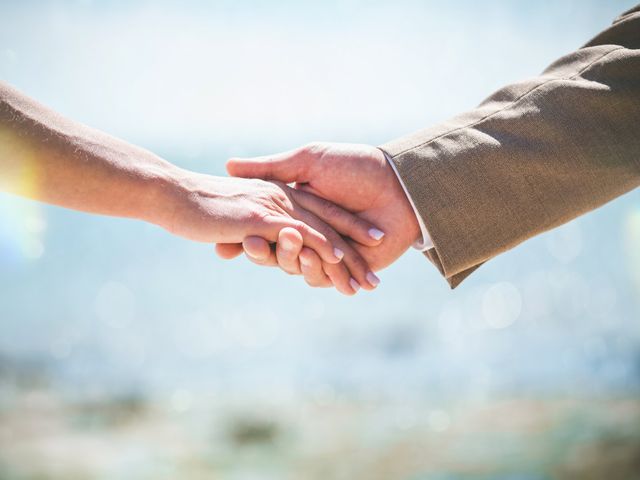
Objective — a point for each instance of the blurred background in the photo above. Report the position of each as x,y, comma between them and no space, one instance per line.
126,353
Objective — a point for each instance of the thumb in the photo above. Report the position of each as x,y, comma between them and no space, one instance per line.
287,167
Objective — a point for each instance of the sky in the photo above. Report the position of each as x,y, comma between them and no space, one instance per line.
197,75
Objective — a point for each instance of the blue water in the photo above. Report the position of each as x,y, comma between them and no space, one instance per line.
120,302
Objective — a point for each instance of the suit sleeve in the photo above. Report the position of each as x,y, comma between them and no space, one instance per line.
533,156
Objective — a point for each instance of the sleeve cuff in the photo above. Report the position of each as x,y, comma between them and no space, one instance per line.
424,243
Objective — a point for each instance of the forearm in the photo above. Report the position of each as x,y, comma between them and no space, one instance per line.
46,157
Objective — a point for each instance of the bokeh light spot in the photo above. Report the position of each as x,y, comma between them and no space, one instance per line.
439,420
565,242
501,305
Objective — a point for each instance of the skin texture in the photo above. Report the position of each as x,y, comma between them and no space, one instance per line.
356,177
46,157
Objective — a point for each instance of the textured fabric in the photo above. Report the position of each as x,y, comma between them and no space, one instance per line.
533,156
424,242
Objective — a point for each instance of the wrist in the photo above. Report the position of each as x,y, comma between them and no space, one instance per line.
163,187
411,218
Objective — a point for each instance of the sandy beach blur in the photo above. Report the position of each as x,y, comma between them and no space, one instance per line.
46,435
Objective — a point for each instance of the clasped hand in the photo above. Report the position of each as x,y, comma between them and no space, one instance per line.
353,188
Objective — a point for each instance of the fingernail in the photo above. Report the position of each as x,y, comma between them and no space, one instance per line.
375,233
355,285
338,253
373,279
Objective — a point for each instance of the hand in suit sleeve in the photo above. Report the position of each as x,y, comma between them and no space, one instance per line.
531,157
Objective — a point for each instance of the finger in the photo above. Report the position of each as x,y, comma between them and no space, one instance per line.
343,221
311,267
360,275
288,249
228,250
341,278
311,237
268,262
259,251
291,166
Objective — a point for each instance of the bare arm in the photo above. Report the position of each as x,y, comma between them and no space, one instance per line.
46,157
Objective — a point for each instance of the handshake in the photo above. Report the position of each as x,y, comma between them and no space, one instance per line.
349,214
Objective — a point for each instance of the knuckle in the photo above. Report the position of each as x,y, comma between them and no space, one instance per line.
299,225
339,279
352,222
276,192
303,228
356,261
359,224
311,148
259,216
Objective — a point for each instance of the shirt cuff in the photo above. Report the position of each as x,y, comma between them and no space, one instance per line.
425,242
